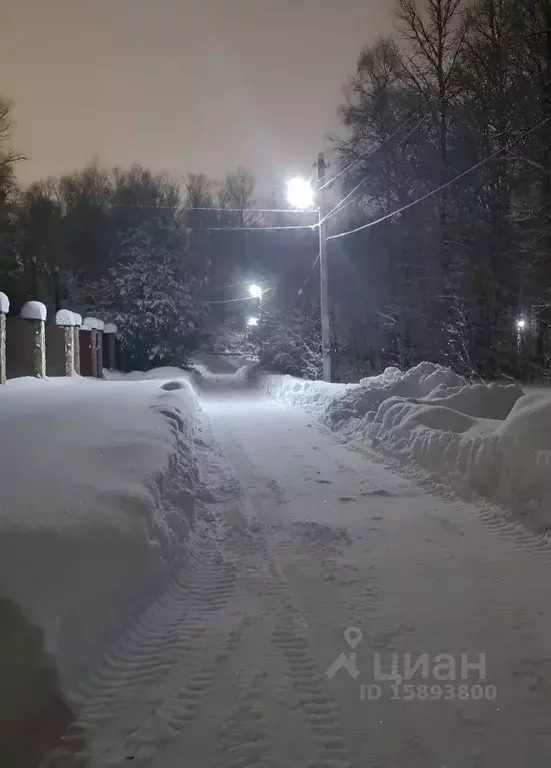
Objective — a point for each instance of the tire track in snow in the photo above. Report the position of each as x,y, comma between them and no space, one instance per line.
150,683
317,706
497,519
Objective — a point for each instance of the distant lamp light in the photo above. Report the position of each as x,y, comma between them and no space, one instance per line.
521,324
300,194
252,321
255,291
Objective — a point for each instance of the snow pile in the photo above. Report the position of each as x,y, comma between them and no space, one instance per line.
4,303
490,440
110,328
338,403
98,483
316,396
33,310
65,317
90,324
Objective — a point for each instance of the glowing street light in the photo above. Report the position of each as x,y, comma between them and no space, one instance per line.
521,324
252,321
255,291
300,194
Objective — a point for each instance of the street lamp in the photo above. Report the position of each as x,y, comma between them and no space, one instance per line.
252,321
255,291
300,195
521,324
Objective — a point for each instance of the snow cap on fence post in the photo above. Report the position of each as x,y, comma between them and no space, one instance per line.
35,312
4,309
65,317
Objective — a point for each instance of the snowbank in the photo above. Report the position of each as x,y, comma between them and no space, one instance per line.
33,310
490,440
98,481
110,328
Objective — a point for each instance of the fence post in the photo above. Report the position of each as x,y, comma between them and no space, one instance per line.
35,313
65,319
110,332
100,325
76,341
4,309
91,324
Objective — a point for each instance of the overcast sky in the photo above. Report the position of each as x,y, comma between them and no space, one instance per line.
180,85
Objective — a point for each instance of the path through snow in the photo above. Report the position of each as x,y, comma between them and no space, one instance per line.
314,549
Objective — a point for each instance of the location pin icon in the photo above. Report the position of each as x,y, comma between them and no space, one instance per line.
353,636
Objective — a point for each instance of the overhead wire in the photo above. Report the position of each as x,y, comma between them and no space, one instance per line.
253,229
348,199
449,183
250,210
384,143
214,209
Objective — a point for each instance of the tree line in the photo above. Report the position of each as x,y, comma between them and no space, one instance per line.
464,276
168,260
461,89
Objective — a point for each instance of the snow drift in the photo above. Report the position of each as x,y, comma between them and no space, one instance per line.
488,439
98,483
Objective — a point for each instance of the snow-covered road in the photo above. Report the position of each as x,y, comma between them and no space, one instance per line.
316,551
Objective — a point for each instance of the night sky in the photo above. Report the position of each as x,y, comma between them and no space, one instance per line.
180,85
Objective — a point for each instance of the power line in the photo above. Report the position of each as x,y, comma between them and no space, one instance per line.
214,209
446,185
340,206
252,229
389,138
349,197
340,173
229,301
251,210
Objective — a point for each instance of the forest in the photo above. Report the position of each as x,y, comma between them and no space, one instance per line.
439,218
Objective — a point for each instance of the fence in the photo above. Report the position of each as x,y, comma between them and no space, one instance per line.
31,346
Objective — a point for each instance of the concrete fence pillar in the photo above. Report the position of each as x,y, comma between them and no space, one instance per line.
4,309
76,341
60,357
99,349
89,347
34,313
110,346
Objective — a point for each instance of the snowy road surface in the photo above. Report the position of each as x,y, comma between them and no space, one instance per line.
316,551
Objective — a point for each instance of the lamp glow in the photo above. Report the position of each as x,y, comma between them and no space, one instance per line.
300,193
255,291
252,321
521,324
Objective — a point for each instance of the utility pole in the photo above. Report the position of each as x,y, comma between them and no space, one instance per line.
324,283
